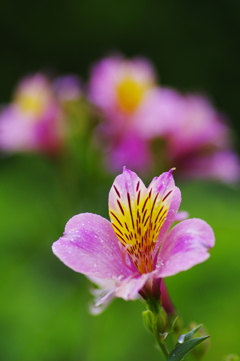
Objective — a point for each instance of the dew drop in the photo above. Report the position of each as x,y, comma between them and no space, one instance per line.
181,339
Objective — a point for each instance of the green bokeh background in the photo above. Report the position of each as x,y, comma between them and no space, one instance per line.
44,305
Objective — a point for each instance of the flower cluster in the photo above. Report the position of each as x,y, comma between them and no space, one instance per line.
143,124
130,254
35,120
138,124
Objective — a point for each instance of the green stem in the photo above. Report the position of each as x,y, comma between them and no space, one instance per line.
157,334
161,344
158,325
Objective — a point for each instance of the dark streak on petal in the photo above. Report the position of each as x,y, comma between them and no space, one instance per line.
146,220
114,215
120,206
159,213
138,183
130,209
138,197
114,225
121,238
145,204
153,205
117,191
166,196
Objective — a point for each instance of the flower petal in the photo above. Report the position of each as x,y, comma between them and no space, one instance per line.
129,288
124,197
90,246
172,205
138,214
102,295
170,195
186,245
172,212
181,216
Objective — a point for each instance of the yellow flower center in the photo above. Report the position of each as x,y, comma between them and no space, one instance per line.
33,98
30,104
130,93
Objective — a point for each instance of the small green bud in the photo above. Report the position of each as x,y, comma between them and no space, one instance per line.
202,348
148,320
232,358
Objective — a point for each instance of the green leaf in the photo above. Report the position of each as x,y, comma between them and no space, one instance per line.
187,336
173,325
182,349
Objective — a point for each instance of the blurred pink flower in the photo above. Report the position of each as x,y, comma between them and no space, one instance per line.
221,165
33,121
199,144
130,150
118,87
136,114
130,106
133,252
198,127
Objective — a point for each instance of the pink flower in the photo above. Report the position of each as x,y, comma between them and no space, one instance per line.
128,149
133,252
197,127
146,127
199,143
118,87
221,165
133,110
34,120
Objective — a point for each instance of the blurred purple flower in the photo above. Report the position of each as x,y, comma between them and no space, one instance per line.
133,252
